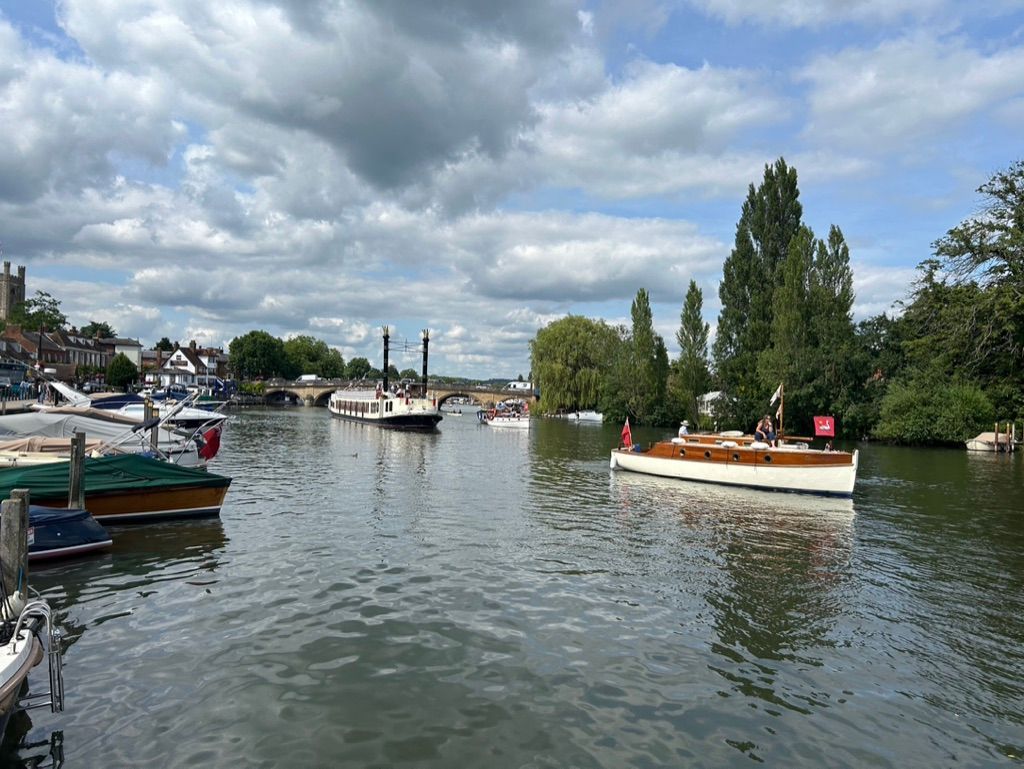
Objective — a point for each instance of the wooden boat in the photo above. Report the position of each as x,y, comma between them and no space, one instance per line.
58,533
403,407
128,488
510,414
739,460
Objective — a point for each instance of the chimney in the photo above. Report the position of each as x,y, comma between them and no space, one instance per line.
192,345
7,269
387,336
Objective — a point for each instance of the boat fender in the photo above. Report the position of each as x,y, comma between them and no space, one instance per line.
728,444
677,441
11,608
613,463
761,445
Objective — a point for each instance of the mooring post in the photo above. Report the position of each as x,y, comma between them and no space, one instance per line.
148,412
76,467
14,541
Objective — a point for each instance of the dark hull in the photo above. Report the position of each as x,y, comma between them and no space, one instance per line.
425,422
60,533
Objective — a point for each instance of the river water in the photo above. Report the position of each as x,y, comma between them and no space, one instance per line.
485,598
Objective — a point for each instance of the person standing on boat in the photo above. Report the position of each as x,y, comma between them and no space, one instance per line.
684,429
770,432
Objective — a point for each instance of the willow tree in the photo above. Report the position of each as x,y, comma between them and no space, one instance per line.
570,359
769,219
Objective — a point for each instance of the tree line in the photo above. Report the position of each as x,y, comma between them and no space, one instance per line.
939,368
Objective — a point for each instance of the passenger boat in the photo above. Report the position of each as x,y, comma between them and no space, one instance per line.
404,406
129,488
739,460
58,533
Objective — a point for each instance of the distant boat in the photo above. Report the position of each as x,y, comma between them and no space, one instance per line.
507,415
404,406
59,533
588,415
990,442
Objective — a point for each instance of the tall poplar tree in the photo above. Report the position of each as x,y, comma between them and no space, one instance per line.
770,217
690,377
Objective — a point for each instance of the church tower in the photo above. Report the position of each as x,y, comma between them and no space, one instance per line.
12,290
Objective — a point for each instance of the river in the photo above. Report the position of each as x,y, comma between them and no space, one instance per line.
486,598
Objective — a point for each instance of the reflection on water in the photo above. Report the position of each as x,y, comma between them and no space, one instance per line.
377,598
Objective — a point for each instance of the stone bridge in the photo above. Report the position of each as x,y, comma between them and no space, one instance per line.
318,392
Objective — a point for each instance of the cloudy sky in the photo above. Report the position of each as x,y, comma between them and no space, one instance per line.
196,170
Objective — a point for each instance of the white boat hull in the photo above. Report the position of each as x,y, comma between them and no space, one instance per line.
827,479
514,423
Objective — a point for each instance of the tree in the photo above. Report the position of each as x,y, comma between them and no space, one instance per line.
164,344
309,355
121,372
257,354
648,364
357,368
769,219
42,311
570,360
690,376
409,373
98,329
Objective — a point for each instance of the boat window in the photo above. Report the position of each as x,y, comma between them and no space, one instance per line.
682,452
768,458
707,455
735,457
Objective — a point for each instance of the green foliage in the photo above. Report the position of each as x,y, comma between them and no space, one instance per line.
164,344
409,373
689,377
769,219
357,368
257,354
309,355
121,372
928,410
570,358
639,374
40,311
98,329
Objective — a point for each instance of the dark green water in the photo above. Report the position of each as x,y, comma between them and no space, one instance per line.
478,598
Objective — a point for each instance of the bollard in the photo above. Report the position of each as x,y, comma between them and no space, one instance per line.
14,541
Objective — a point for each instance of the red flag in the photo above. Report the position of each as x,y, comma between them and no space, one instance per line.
627,435
211,444
825,426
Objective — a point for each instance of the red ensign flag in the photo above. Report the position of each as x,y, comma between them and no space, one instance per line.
825,426
627,436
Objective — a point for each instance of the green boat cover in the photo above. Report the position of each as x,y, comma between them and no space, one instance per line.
124,472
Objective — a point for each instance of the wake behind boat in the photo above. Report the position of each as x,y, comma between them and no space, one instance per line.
405,406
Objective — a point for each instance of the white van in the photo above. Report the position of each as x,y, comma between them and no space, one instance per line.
308,378
518,386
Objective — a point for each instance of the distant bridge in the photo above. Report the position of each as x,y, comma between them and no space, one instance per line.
318,392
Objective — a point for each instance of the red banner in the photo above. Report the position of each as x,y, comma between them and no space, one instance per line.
627,435
825,426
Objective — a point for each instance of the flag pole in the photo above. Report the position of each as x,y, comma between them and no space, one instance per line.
782,409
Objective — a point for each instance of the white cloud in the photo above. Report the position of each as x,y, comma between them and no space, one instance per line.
818,13
893,95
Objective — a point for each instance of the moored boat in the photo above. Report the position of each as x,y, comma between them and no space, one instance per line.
404,407
740,461
512,416
128,488
58,533
24,629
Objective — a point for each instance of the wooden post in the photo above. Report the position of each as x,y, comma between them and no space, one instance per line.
76,472
996,434
14,541
148,412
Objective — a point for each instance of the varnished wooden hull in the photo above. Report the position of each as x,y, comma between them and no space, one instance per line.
781,469
151,504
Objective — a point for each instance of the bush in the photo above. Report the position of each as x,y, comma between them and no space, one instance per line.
922,411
